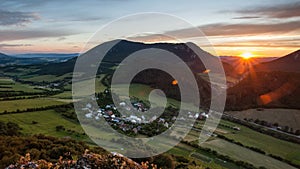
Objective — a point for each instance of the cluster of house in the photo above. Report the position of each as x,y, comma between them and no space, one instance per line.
125,123
50,86
107,112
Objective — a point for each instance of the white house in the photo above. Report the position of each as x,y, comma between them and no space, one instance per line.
203,114
153,118
166,124
89,115
134,119
161,120
122,104
88,105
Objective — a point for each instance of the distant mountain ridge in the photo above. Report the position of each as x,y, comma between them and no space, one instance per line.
288,63
46,55
32,59
2,55
256,60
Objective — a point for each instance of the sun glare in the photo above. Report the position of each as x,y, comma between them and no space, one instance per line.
247,55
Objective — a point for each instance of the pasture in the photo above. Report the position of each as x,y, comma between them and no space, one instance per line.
244,154
284,117
14,105
269,144
46,122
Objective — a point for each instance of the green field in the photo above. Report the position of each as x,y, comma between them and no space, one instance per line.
5,80
46,123
47,78
15,86
23,104
271,145
251,138
244,154
142,92
18,71
206,159
284,117
85,86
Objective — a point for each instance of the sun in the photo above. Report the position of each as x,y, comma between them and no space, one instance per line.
246,55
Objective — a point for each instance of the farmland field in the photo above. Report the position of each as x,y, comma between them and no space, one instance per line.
207,159
240,153
46,123
142,92
14,105
17,87
5,80
47,78
264,142
284,117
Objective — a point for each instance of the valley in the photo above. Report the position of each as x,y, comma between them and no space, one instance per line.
39,99
46,122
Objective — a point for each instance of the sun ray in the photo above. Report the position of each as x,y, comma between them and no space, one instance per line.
246,55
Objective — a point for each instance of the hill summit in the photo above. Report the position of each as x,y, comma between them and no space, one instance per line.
288,63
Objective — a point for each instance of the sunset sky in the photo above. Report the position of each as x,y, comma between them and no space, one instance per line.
263,27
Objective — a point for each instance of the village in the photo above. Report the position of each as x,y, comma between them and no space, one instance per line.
135,123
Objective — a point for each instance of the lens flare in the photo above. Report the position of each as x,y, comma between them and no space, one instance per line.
174,82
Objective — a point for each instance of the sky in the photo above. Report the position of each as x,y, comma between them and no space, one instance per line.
265,28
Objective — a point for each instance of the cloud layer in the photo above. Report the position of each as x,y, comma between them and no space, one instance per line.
289,10
9,35
227,29
224,29
17,18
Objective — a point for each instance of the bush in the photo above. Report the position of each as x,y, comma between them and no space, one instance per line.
60,128
9,129
40,147
164,161
34,122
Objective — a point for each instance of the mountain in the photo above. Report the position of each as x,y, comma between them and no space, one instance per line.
288,63
274,84
2,56
46,55
4,59
265,89
124,48
232,60
35,59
